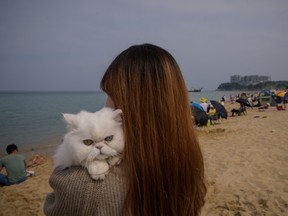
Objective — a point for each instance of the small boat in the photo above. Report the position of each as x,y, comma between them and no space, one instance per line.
192,89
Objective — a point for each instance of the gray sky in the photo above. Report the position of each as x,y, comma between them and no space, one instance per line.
67,44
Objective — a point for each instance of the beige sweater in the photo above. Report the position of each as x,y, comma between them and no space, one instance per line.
76,193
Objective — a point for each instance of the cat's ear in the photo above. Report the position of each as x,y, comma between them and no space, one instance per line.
69,119
117,115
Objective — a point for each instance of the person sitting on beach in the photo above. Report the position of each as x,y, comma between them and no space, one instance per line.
15,166
212,112
162,170
204,104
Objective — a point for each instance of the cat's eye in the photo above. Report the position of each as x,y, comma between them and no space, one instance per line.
88,142
109,138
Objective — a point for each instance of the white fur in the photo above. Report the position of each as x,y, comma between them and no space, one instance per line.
93,126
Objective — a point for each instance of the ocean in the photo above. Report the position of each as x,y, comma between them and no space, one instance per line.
33,120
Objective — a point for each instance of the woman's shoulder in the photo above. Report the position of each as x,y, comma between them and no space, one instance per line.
82,172
75,191
77,176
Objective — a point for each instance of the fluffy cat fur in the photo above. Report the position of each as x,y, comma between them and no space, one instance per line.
94,140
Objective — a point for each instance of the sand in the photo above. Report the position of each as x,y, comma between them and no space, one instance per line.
246,164
246,169
28,197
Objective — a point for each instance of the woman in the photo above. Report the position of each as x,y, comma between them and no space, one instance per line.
162,172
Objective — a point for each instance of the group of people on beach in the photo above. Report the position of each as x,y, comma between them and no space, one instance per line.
205,114
162,170
262,101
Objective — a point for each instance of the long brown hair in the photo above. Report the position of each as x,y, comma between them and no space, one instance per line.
165,171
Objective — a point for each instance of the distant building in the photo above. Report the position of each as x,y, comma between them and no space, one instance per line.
247,80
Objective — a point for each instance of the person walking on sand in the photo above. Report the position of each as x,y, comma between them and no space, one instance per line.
162,169
15,166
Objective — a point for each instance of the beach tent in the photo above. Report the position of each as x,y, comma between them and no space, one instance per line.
266,96
197,105
201,117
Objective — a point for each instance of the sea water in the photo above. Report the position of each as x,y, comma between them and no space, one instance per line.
34,121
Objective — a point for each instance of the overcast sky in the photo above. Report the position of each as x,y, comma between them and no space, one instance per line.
67,44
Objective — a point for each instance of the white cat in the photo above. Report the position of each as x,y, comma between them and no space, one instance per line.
94,140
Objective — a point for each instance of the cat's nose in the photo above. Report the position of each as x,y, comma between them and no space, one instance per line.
99,146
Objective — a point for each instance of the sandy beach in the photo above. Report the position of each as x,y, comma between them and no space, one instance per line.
245,166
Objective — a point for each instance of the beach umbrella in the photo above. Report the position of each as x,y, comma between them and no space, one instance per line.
219,109
201,117
283,95
243,101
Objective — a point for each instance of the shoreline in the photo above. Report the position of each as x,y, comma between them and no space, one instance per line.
47,151
46,147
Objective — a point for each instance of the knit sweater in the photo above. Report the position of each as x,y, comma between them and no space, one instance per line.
76,193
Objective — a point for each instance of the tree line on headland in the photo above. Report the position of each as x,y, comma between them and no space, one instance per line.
253,87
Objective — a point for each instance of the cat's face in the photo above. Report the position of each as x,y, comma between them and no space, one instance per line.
96,135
